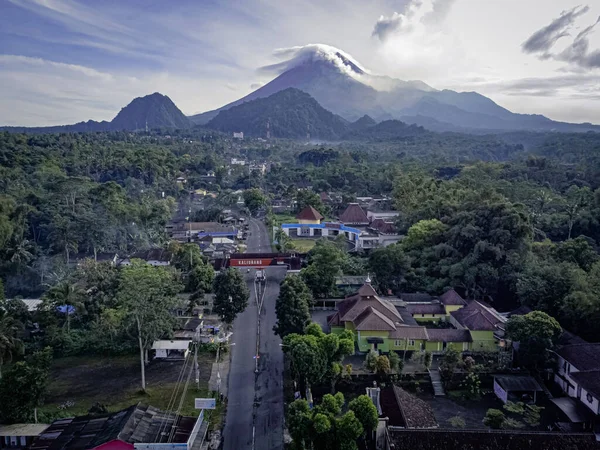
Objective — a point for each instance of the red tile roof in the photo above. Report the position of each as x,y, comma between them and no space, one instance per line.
309,213
354,215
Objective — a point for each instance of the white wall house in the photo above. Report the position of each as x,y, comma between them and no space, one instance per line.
579,373
176,349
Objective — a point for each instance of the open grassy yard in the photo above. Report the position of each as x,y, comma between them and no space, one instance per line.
303,245
278,219
115,383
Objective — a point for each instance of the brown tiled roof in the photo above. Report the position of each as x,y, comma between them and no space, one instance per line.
372,320
427,308
367,290
354,215
415,412
451,297
363,303
334,319
588,380
582,356
324,196
475,316
406,332
449,335
568,338
520,311
415,297
383,226
154,254
366,296
346,305
309,213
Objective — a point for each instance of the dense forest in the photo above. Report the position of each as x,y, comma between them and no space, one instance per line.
510,218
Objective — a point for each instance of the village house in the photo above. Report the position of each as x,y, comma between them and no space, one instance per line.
20,435
393,325
579,374
194,231
138,426
154,257
79,258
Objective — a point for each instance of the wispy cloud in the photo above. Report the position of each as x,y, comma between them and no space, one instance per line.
577,52
42,92
415,12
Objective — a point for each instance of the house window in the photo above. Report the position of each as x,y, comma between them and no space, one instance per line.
444,345
589,398
411,343
422,315
397,343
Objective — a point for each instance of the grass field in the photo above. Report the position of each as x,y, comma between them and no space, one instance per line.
304,245
278,219
115,383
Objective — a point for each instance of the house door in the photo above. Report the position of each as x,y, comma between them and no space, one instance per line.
444,345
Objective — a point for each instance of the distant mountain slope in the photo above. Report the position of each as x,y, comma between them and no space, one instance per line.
387,130
362,123
291,114
154,110
339,83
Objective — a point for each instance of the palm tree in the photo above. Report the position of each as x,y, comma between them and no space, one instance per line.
69,295
10,343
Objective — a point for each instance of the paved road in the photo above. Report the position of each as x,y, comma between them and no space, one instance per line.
255,402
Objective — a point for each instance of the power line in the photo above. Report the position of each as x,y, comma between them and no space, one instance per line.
172,399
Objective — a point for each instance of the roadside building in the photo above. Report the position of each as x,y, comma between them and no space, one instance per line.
154,257
20,435
174,349
578,374
137,427
387,324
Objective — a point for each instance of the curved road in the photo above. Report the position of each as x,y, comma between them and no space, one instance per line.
255,400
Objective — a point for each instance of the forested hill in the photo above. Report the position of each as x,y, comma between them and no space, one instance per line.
290,113
154,111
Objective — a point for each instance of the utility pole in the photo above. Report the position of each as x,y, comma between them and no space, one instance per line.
190,232
196,366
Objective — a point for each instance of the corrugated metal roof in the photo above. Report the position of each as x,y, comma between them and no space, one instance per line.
171,345
23,429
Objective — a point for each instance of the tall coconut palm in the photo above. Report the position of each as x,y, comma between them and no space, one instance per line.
10,343
69,295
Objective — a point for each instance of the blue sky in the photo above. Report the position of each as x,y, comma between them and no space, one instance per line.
63,61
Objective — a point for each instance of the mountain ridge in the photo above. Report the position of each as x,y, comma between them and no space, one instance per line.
340,84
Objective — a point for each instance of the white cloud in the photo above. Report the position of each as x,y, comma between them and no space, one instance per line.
41,92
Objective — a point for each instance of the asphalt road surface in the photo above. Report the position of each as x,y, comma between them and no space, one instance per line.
255,400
